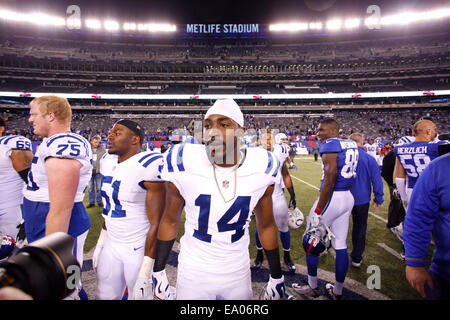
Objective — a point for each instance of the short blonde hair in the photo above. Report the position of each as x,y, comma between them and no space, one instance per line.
59,106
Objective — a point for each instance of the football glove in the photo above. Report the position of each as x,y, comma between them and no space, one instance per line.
315,220
292,203
143,288
275,289
21,239
395,193
161,287
294,167
98,248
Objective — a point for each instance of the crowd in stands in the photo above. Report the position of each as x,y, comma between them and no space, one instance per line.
388,125
186,50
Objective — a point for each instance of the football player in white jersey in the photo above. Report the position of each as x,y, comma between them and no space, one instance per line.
219,186
133,201
60,172
281,140
280,207
15,161
372,148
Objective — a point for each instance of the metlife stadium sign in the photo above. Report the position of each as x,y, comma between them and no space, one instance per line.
222,28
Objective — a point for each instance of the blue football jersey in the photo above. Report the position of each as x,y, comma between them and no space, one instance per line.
416,156
347,161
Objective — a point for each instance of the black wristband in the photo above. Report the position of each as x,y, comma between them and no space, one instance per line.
273,257
163,249
24,174
291,192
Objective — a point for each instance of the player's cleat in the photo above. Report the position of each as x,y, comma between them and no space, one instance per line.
329,287
90,205
398,232
356,264
402,253
288,261
306,290
259,259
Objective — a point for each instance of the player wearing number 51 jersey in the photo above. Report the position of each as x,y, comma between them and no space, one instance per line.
414,157
133,199
219,185
333,208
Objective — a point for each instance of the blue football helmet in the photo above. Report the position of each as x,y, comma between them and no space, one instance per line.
317,240
7,245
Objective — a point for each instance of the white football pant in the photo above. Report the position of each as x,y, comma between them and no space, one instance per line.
118,267
336,216
280,212
9,219
191,286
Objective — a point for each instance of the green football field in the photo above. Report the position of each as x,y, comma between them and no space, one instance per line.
381,243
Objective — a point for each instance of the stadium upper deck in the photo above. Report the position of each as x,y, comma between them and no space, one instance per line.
204,59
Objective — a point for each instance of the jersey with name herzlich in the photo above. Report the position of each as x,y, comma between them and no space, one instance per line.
123,193
347,161
416,156
218,205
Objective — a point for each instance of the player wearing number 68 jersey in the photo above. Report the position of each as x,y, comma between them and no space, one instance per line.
333,207
414,157
219,185
15,161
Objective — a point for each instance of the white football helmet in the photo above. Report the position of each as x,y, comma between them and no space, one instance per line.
280,137
295,218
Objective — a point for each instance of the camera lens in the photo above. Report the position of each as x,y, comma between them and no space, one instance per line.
40,269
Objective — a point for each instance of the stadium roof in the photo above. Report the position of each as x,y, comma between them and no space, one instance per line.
225,11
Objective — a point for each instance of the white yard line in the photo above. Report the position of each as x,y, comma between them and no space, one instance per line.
314,187
390,250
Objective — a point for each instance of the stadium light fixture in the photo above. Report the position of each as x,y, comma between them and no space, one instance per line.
372,22
333,25
289,27
352,23
129,26
93,24
44,20
73,23
33,18
437,14
161,27
315,26
111,25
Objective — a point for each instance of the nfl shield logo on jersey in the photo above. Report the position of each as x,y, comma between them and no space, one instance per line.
225,184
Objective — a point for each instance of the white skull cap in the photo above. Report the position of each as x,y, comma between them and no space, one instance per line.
228,108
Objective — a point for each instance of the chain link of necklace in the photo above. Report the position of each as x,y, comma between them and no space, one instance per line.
235,178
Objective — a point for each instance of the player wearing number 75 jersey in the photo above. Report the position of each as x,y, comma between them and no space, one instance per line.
59,174
329,216
219,186
413,158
